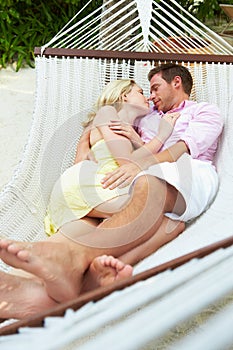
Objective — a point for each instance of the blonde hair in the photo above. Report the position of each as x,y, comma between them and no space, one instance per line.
111,94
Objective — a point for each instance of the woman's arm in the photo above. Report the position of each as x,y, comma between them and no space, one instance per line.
119,146
127,130
165,130
166,127
83,147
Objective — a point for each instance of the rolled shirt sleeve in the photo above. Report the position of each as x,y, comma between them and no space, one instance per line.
204,127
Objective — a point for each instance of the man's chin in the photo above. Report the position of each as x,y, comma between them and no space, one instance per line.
158,107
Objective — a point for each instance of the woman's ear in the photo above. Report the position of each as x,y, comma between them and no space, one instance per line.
124,98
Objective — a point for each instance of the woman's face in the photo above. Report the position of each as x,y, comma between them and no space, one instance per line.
136,97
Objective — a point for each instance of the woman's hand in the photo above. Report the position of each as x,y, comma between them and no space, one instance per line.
121,177
166,125
125,129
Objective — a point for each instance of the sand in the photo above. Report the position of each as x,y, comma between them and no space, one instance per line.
17,93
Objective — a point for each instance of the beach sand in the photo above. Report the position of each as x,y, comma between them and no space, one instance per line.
17,93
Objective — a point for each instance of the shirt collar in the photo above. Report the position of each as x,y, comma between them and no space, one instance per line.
181,106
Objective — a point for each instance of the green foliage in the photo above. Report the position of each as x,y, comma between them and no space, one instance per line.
207,9
25,24
204,10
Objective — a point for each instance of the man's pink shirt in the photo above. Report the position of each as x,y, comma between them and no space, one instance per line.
199,126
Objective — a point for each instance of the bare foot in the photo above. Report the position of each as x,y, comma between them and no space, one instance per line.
22,297
60,268
107,269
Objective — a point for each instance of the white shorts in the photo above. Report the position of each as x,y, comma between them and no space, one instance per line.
196,180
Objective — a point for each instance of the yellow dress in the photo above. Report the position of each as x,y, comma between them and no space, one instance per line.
79,189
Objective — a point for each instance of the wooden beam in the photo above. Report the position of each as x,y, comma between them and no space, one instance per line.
151,56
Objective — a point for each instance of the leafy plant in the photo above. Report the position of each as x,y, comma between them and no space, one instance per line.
25,24
204,10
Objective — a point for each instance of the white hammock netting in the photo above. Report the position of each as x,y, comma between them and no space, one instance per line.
67,86
140,25
62,102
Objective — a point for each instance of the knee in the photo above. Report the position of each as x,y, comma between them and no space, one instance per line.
141,186
141,182
148,181
150,185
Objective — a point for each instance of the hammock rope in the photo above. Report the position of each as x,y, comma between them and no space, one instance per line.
156,26
68,83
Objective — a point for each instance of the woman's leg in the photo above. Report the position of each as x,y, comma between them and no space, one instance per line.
110,207
104,270
78,228
61,262
22,297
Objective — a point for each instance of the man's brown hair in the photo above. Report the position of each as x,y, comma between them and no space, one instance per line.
169,71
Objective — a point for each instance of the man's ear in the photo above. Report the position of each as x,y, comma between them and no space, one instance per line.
177,81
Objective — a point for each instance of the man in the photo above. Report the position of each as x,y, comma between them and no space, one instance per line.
170,186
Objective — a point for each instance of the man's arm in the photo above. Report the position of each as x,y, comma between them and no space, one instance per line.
170,154
202,133
125,174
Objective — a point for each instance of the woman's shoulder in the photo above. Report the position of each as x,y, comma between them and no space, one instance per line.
105,114
107,109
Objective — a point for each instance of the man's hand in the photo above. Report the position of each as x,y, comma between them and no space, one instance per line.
121,177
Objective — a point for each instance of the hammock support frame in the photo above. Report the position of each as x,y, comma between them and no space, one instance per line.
101,292
151,56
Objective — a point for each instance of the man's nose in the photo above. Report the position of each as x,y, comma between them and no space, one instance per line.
152,96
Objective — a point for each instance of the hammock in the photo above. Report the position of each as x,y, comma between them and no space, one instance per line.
71,70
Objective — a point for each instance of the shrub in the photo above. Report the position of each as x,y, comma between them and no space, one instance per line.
25,24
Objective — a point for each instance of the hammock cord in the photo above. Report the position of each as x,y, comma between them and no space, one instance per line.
145,25
66,90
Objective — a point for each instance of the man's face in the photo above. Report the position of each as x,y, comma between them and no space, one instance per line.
162,94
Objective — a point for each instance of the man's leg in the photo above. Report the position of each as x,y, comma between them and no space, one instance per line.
168,230
104,269
79,227
22,297
61,263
